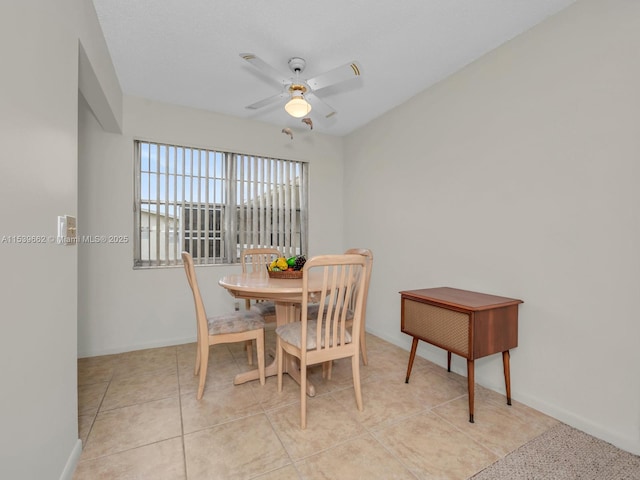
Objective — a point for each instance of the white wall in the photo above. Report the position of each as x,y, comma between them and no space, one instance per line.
518,176
123,309
39,42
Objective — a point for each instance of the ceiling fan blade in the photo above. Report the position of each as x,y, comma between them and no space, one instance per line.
319,106
265,68
268,101
337,75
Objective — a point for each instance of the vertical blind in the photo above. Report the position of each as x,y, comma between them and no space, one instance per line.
215,204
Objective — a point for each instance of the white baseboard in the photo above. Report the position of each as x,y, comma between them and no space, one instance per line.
132,347
584,424
70,467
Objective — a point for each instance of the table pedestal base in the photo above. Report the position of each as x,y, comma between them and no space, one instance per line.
271,370
285,312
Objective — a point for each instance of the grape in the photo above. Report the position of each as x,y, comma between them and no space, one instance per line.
299,263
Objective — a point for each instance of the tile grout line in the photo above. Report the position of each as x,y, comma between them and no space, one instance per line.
95,416
373,430
475,441
184,450
132,405
275,431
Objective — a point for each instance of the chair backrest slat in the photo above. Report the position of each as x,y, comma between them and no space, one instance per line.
369,255
257,259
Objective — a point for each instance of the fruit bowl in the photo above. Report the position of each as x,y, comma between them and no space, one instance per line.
287,267
285,274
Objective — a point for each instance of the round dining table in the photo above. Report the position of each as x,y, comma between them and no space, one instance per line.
287,297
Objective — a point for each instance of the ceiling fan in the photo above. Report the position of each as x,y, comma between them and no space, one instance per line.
301,93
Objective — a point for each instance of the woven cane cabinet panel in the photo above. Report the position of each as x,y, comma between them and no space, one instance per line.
444,328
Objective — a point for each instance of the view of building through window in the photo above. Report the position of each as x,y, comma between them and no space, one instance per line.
215,204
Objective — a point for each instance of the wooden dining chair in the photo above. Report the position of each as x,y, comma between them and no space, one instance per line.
325,336
313,309
257,260
227,328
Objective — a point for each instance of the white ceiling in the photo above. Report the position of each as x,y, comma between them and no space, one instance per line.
186,52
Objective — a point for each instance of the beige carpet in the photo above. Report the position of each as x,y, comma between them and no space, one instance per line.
564,453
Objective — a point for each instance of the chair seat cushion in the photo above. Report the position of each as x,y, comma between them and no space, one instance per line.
292,333
312,311
235,322
265,309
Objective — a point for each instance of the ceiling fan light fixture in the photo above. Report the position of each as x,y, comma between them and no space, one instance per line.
297,107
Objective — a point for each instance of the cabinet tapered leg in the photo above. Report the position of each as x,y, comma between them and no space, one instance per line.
448,361
412,356
471,387
507,374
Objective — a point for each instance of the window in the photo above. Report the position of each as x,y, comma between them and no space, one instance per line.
215,204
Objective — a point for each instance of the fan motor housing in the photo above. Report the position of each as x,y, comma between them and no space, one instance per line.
297,64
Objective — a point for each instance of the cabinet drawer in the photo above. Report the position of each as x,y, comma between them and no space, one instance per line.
444,328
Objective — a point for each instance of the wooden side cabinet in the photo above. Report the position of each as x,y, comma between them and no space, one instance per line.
470,324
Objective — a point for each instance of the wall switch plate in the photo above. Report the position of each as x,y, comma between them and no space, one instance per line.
67,233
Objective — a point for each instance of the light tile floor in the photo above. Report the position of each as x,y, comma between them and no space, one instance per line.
139,419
